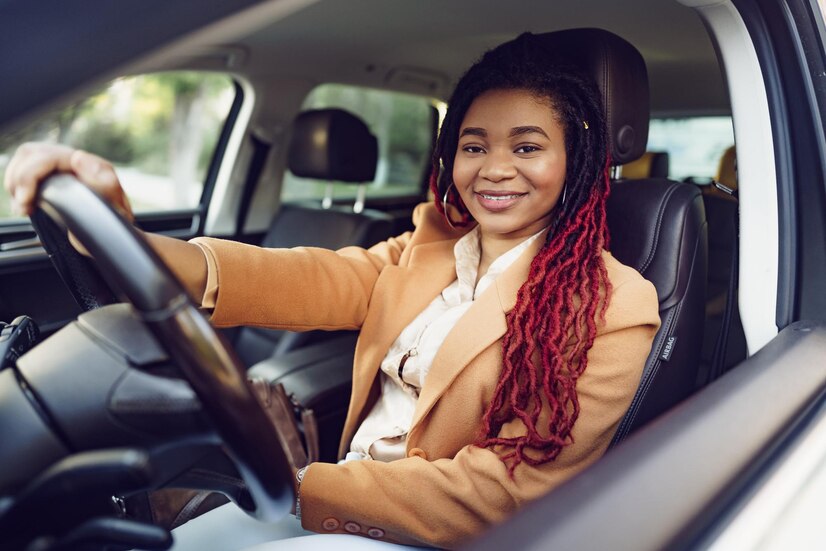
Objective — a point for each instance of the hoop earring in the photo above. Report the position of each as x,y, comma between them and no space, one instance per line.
444,207
564,193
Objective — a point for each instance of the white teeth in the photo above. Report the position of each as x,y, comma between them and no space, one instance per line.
500,197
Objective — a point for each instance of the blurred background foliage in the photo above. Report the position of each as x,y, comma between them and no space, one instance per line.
158,129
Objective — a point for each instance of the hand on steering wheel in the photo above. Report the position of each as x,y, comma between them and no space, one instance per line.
31,163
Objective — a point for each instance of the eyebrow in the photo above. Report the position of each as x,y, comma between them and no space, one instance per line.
520,130
516,131
474,131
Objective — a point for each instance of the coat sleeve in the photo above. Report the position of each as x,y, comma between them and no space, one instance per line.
296,289
448,501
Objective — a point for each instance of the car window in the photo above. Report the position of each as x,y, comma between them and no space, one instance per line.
404,126
159,130
694,144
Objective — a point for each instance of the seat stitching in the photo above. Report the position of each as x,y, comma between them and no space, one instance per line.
648,379
656,237
649,372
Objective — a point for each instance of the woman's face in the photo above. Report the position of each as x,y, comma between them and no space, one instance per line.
510,162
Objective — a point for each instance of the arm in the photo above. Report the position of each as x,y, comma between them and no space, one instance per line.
296,289
255,286
186,260
447,501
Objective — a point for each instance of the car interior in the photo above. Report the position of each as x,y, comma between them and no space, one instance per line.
108,399
348,154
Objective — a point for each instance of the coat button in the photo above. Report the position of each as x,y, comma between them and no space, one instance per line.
352,527
330,524
375,533
417,452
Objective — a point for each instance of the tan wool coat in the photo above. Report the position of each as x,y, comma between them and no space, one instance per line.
446,490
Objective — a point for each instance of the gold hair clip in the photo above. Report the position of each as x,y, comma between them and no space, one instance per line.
585,124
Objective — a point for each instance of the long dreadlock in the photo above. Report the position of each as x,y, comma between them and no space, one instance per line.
554,322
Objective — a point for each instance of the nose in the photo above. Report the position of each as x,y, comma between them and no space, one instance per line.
498,166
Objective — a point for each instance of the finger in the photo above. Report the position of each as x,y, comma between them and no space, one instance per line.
126,210
100,175
95,171
29,166
78,245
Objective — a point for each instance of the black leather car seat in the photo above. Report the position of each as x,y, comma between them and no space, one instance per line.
335,146
657,226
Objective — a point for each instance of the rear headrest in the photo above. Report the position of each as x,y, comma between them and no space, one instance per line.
727,169
652,164
332,144
620,73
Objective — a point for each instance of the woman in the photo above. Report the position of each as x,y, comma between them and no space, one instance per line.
500,343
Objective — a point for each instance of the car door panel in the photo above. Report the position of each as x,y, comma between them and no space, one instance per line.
669,484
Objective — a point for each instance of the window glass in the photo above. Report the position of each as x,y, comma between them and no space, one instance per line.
403,126
694,144
159,130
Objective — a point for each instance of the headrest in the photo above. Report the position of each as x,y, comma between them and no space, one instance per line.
652,164
620,73
332,144
727,170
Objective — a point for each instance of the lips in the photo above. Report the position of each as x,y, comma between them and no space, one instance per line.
498,200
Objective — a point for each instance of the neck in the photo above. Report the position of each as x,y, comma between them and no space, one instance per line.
492,247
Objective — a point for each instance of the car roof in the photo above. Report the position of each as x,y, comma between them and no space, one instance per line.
369,40
420,47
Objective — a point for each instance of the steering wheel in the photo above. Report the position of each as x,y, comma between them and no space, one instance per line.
79,273
129,264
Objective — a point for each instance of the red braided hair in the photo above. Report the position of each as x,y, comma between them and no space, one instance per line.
550,330
554,322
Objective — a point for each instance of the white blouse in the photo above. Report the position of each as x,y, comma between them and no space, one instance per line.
383,434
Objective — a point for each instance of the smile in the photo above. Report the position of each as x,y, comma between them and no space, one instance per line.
500,197
498,201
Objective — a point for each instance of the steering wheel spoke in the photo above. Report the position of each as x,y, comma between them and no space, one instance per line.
78,273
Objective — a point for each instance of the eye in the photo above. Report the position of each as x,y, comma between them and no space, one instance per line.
475,149
527,149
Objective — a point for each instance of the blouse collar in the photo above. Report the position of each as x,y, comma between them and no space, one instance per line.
468,253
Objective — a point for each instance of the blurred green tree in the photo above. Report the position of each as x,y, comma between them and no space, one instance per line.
166,124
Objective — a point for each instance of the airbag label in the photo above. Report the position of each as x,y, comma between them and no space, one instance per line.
668,348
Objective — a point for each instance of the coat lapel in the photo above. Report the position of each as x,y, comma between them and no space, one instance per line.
482,325
404,292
